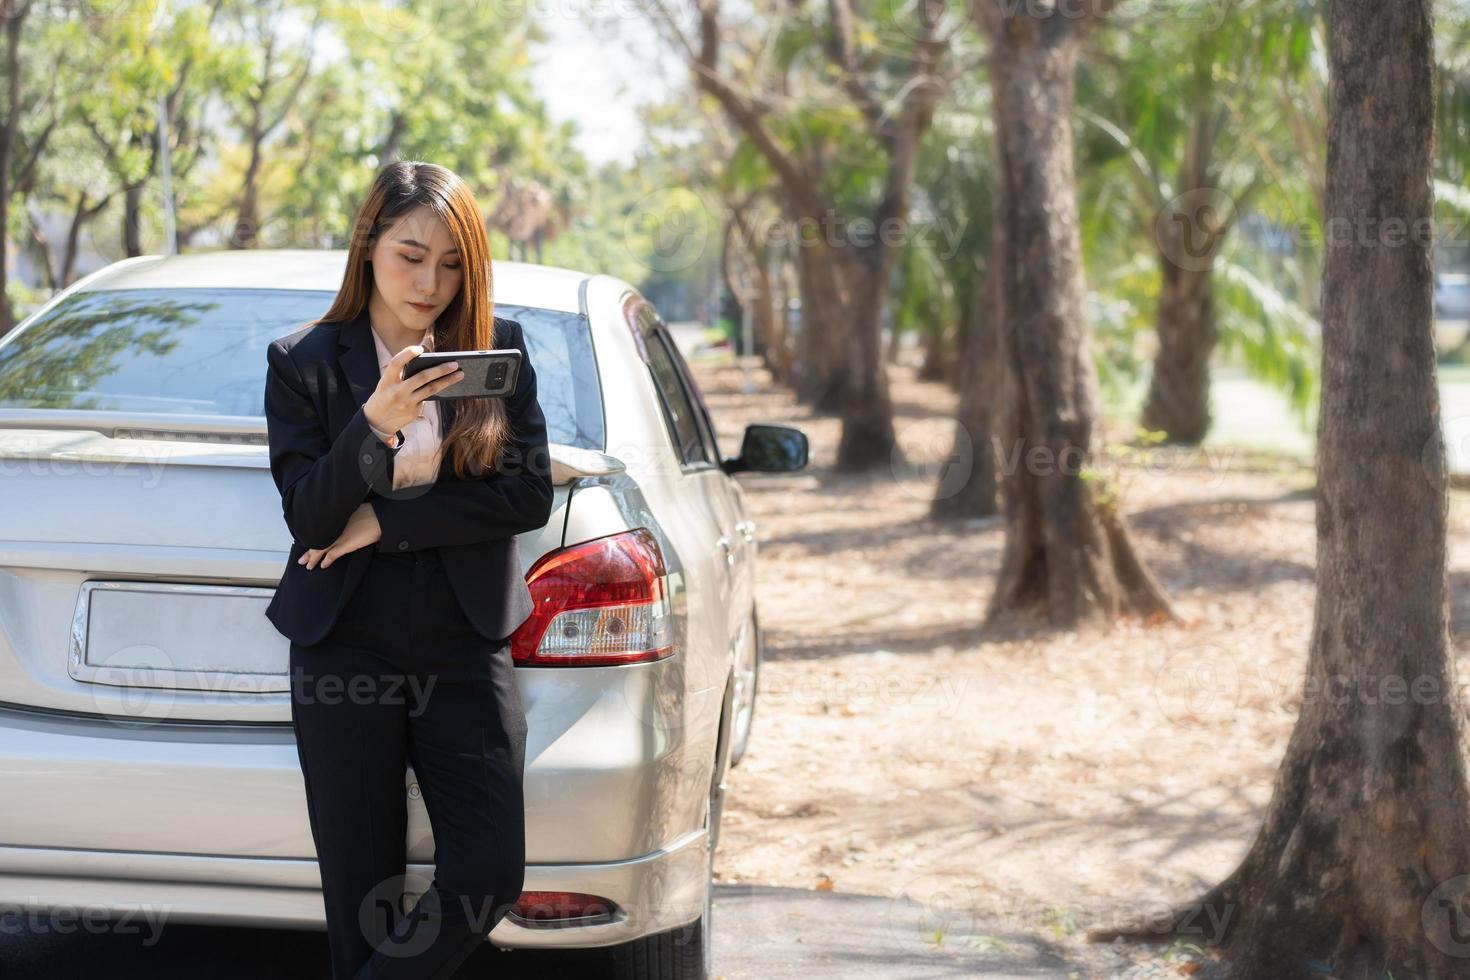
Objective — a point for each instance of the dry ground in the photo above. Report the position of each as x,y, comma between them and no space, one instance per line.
1023,780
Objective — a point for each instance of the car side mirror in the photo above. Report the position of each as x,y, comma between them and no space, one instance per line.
769,449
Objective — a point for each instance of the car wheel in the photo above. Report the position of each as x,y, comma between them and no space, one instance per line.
747,682
684,953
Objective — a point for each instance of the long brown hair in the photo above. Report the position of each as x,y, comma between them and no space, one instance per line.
481,428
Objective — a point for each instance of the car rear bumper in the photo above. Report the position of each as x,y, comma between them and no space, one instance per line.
146,892
208,823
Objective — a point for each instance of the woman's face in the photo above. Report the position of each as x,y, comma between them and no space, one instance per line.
417,270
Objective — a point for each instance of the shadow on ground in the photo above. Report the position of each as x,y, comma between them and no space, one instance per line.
761,933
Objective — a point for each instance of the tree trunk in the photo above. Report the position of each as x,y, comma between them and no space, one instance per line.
778,355
729,274
762,327
246,233
1179,393
387,151
968,481
763,311
1363,858
132,221
821,370
79,218
868,438
1067,547
40,247
83,214
938,358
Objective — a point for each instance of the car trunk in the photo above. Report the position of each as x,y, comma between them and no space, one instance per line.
136,566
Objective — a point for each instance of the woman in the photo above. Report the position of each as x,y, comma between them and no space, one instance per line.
401,508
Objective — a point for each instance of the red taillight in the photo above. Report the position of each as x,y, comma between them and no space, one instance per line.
602,602
555,906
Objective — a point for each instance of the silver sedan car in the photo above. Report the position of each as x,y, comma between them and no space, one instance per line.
146,754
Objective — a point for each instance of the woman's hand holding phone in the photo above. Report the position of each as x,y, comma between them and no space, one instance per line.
396,401
392,405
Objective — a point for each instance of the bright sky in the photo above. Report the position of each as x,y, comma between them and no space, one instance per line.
598,66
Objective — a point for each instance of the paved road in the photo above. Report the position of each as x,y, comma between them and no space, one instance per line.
760,934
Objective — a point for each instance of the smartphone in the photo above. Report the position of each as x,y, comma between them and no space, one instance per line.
487,373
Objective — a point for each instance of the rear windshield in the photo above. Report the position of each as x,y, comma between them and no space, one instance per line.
202,352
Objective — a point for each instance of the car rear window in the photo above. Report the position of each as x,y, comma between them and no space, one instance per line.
202,352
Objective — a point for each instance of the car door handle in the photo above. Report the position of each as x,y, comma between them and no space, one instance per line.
724,545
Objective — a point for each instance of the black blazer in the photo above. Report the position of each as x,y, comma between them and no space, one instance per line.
326,461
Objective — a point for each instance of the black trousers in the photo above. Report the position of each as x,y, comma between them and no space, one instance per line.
404,677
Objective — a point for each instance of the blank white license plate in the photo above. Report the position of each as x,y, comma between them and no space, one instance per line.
178,635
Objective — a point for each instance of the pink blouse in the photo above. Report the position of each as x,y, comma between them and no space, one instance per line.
417,460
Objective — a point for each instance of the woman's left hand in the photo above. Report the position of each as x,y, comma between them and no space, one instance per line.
362,530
